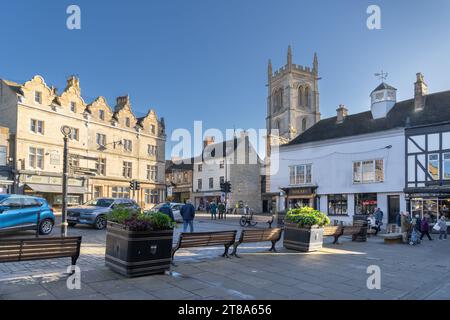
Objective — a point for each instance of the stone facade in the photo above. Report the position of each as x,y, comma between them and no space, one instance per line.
112,142
5,168
179,180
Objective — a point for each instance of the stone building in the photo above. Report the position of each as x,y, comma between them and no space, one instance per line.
292,108
6,175
112,143
179,180
235,161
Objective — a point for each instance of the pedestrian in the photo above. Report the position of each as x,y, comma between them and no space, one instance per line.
188,214
378,214
425,228
221,209
213,210
166,209
442,228
417,223
405,225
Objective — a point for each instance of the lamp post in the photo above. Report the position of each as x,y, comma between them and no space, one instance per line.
66,131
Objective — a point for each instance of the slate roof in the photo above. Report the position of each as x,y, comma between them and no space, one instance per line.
437,110
384,86
188,164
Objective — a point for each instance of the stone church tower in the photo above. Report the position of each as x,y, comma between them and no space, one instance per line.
293,98
292,105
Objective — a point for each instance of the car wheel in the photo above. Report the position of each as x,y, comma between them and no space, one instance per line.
243,221
46,227
100,223
72,224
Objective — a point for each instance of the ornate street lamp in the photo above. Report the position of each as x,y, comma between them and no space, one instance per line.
66,131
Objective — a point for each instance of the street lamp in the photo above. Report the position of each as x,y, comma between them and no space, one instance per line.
66,131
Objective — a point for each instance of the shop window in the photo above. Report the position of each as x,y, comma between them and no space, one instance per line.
365,203
337,204
120,192
151,196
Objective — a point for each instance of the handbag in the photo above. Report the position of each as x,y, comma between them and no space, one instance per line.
436,227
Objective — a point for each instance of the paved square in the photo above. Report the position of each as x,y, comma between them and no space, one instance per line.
335,272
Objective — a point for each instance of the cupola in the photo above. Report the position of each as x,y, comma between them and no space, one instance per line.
383,98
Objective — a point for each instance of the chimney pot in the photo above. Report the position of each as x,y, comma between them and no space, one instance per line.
420,91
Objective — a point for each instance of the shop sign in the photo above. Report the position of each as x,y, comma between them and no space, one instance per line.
300,191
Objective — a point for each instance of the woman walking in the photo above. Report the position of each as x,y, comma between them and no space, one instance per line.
442,228
425,228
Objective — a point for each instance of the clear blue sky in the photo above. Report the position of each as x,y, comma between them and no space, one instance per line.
207,60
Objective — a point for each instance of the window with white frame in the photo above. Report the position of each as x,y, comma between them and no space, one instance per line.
36,158
120,192
101,139
127,145
37,126
73,106
446,166
127,170
211,183
300,174
152,150
152,172
368,171
100,165
3,160
199,184
38,97
433,165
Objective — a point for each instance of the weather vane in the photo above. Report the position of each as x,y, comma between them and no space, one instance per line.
382,75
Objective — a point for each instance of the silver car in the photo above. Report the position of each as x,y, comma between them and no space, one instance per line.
94,212
176,208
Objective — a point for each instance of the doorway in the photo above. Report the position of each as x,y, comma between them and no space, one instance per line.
394,208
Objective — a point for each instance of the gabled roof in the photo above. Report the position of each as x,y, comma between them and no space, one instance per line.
437,110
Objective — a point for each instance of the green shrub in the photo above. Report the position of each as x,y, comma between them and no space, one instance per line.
307,217
139,221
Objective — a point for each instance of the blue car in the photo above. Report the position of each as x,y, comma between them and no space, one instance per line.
18,212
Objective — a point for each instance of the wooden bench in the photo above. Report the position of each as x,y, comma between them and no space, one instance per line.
206,239
16,250
333,231
252,220
258,235
354,231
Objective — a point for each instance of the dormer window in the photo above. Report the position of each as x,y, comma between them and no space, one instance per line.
73,107
152,129
38,97
101,114
127,122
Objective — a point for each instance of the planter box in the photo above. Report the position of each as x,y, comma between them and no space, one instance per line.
137,253
302,239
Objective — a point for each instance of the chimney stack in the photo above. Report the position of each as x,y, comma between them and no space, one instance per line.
342,113
420,91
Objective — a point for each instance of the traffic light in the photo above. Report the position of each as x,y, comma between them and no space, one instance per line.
222,186
132,185
137,185
228,187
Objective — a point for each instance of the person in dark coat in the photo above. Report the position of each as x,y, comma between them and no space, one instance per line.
424,228
166,209
188,214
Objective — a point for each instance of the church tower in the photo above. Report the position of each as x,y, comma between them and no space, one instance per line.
292,105
293,98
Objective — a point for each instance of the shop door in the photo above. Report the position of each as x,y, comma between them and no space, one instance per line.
394,208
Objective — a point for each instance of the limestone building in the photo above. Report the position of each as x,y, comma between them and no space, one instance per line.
111,143
179,180
6,175
292,108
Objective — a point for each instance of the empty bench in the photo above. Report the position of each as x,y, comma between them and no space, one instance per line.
333,231
16,250
258,235
206,239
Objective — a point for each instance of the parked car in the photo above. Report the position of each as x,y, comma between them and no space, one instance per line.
176,207
19,212
94,211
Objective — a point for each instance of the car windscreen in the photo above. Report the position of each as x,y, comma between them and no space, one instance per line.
105,203
3,197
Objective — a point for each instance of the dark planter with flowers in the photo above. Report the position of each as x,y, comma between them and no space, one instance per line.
137,247
303,229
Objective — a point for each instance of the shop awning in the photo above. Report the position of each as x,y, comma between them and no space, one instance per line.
54,188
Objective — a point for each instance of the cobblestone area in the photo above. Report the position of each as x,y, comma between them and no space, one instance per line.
335,272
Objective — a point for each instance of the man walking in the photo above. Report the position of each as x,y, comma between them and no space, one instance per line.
378,218
221,209
188,214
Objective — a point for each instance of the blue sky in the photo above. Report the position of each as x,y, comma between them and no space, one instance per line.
207,60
